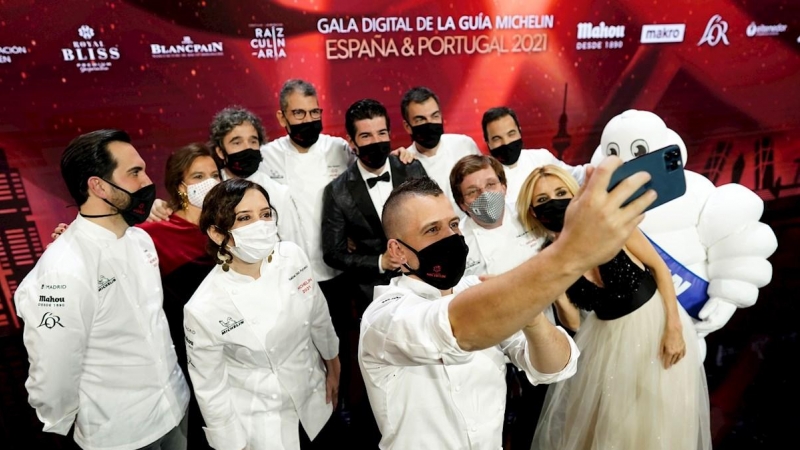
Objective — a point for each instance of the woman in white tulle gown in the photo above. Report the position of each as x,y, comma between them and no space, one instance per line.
640,384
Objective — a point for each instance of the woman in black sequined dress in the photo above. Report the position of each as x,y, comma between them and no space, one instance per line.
640,384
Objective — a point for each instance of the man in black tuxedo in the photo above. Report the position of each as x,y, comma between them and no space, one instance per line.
352,236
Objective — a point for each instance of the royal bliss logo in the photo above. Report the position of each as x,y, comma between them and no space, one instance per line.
90,55
600,36
186,49
269,41
229,324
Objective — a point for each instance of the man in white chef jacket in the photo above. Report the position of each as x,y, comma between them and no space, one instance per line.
438,152
433,345
97,339
503,136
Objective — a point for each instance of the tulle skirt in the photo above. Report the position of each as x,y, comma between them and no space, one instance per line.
621,397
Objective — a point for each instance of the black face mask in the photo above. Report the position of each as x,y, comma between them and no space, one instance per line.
551,213
138,209
374,155
427,134
442,263
305,134
508,154
244,163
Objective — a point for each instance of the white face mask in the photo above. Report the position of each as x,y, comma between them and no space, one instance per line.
196,193
255,241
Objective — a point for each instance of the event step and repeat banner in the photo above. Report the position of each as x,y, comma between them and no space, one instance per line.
724,74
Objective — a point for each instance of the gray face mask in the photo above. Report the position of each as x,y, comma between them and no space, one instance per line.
488,207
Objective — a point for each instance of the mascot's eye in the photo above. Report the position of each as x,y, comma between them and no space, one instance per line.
639,147
612,149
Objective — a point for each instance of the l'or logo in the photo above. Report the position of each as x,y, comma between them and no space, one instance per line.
50,320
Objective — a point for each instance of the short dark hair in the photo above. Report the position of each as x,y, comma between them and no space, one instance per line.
225,121
295,85
392,209
469,165
419,94
219,209
363,109
495,114
88,156
177,164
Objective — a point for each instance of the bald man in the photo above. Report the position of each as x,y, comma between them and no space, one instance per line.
433,345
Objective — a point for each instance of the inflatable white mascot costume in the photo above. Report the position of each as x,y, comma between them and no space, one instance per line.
718,247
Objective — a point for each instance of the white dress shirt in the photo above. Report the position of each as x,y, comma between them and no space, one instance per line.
425,391
452,147
98,340
256,349
306,175
380,192
530,160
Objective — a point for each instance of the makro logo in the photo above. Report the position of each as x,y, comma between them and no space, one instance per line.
269,41
603,36
186,49
6,52
662,33
715,32
754,30
90,55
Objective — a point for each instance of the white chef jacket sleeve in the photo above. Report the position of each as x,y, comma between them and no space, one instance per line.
473,147
517,349
58,310
209,375
405,332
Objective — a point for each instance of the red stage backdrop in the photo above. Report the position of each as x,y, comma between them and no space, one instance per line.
724,74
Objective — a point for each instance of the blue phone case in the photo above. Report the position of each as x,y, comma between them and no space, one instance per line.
665,167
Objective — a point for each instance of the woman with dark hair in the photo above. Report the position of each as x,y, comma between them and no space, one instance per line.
263,353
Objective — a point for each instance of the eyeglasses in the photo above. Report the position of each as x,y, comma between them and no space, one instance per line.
473,192
300,114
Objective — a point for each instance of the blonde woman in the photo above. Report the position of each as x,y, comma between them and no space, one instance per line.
639,384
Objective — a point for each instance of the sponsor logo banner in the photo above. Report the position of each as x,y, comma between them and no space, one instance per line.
662,33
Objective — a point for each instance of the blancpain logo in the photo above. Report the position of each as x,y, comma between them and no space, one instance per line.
715,32
662,33
186,49
754,30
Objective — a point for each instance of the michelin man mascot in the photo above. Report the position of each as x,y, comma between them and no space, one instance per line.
710,237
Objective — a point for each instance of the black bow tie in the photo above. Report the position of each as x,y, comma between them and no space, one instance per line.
371,182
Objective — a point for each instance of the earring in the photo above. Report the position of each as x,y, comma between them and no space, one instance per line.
184,200
225,260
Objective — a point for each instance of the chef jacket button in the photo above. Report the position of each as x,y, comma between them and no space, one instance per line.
254,322
272,350
274,396
474,429
314,390
305,323
310,369
124,275
458,388
305,348
382,356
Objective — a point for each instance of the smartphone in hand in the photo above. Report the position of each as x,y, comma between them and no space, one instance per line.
665,167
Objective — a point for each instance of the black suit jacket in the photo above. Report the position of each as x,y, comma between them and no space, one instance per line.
347,211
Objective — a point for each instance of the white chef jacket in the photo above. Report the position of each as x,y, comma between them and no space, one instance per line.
530,160
254,350
98,340
496,251
289,228
452,147
425,391
307,174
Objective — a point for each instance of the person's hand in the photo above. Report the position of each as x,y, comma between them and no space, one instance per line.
62,227
673,348
334,369
596,225
160,211
406,157
351,246
389,263
485,277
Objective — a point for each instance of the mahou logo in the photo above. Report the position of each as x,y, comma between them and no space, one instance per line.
715,32
90,55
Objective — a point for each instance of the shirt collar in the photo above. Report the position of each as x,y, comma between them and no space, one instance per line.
418,287
367,175
94,230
